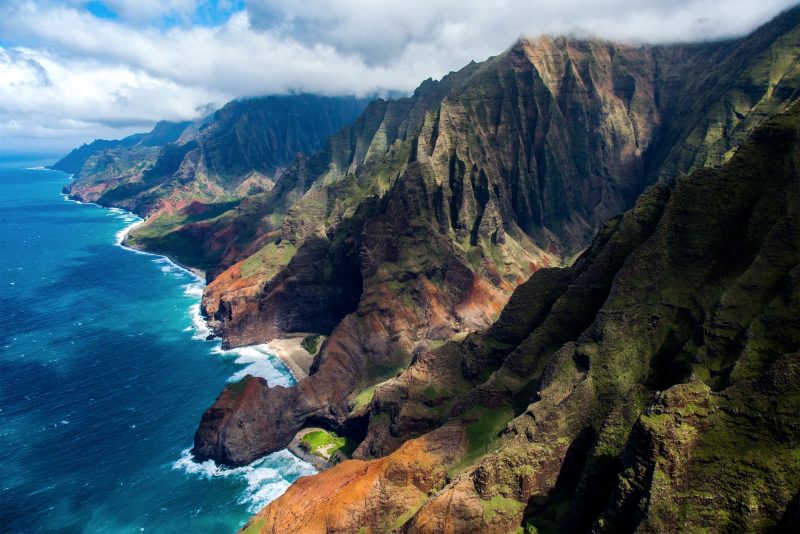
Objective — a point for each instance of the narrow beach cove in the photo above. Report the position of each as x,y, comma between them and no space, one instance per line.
104,372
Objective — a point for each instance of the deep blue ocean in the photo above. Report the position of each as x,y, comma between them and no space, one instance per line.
104,373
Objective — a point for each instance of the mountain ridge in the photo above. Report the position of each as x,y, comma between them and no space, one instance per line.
429,232
236,151
611,378
569,269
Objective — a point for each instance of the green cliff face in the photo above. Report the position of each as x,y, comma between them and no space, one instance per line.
415,224
652,386
561,367
107,164
164,132
237,151
658,390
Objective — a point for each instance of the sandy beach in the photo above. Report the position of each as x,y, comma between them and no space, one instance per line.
296,358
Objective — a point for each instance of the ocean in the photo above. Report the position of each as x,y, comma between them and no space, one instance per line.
104,373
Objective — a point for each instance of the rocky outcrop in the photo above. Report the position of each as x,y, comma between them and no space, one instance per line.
353,494
650,386
432,209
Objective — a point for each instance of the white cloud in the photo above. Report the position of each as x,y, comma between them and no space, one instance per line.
43,95
66,72
382,32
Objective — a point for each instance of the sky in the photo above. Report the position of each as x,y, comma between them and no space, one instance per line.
72,71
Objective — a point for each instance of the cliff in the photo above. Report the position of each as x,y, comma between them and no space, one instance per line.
237,151
650,386
414,225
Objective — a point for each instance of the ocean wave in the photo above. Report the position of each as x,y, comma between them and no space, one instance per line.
199,324
120,236
259,361
265,479
75,201
261,482
194,290
167,266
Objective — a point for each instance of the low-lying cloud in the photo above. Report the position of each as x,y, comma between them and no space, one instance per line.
67,74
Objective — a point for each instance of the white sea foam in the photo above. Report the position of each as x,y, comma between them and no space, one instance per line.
258,361
122,234
194,290
268,478
199,324
74,201
265,479
126,216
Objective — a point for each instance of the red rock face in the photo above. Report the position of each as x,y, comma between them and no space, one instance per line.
424,252
353,494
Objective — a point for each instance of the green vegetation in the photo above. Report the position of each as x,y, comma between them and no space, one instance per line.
237,388
430,392
434,344
483,427
165,234
311,343
500,505
483,431
379,372
408,514
325,444
363,398
255,527
319,439
268,260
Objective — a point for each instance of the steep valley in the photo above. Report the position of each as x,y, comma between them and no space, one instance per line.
651,386
419,220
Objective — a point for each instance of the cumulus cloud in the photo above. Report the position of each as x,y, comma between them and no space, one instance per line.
383,31
66,72
45,95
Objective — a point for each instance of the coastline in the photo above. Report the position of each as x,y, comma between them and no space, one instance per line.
122,237
293,355
289,351
194,271
142,367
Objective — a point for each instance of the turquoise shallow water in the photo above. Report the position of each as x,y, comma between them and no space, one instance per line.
104,372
